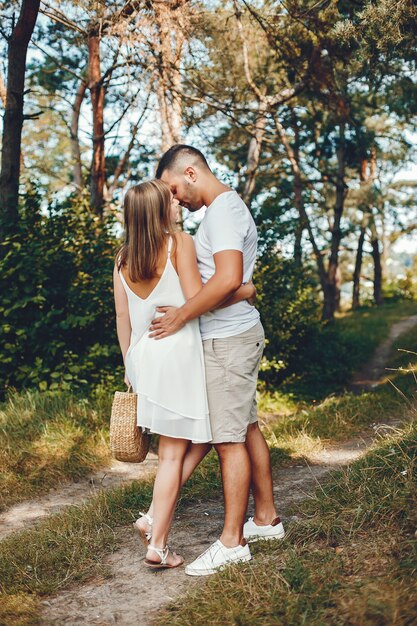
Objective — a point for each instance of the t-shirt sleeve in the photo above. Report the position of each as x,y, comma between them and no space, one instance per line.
227,227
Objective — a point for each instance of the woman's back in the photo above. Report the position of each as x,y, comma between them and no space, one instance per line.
167,374
144,288
145,296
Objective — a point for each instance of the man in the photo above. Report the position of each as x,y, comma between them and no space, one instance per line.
233,341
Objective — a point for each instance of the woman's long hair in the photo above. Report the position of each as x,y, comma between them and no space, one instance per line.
147,217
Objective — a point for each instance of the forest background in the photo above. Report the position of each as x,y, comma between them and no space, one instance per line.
307,108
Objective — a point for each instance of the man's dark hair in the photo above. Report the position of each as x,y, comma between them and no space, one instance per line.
170,158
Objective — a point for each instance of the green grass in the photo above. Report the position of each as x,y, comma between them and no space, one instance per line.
69,547
366,327
46,438
330,357
404,356
309,427
300,428
351,558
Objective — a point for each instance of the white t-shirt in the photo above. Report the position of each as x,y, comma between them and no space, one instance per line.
227,225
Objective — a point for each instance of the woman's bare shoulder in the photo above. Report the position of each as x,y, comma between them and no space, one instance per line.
183,240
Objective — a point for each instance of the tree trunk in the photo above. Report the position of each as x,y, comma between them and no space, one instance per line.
366,178
376,255
333,287
298,195
169,47
358,268
385,241
363,177
298,249
299,205
254,156
97,101
3,91
293,157
123,161
75,144
13,118
168,50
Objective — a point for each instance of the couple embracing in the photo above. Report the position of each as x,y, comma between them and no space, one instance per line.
192,342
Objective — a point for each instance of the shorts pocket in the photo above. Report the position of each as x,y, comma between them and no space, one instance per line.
220,351
255,336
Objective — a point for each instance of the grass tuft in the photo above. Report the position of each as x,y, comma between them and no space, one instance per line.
47,438
20,610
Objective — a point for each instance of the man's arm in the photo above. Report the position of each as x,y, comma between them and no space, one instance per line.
226,279
247,291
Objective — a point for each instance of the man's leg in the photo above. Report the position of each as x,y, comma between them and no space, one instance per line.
230,399
262,485
236,472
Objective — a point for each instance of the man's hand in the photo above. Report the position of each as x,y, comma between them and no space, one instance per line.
167,324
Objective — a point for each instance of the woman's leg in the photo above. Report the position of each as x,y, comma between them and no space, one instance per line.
165,492
195,454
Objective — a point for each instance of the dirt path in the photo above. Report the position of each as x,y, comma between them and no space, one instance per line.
27,513
132,595
373,373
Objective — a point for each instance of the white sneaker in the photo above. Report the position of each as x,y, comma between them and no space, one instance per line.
253,532
216,557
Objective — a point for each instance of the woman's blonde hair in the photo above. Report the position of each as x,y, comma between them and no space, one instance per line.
147,217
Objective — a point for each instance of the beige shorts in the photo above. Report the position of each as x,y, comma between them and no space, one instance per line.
232,366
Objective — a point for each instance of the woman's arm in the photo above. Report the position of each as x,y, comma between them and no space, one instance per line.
124,329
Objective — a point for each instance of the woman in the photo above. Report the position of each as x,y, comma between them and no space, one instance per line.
157,266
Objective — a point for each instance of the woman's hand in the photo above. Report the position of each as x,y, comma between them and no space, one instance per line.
127,381
251,298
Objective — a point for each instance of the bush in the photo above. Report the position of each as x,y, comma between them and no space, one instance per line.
290,312
58,328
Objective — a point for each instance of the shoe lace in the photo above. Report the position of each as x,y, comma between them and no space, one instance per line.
209,549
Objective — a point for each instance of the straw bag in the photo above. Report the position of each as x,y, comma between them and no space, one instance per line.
127,441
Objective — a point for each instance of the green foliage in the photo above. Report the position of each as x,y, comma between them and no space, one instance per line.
289,310
304,355
403,288
376,489
331,353
56,302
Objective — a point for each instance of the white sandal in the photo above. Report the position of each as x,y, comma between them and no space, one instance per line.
144,535
163,555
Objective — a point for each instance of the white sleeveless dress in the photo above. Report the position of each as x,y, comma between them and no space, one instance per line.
167,374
